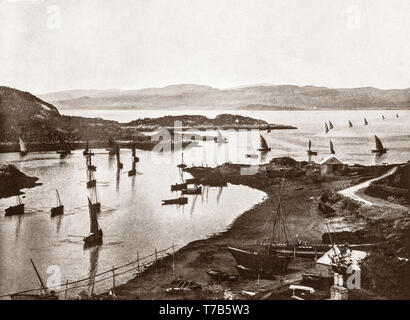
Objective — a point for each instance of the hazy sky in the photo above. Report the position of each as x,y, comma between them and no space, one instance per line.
56,45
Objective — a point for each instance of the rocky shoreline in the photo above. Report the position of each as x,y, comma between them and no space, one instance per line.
12,180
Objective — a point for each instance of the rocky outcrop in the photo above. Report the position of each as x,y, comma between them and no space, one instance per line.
12,180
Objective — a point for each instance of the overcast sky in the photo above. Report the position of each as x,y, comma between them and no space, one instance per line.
72,44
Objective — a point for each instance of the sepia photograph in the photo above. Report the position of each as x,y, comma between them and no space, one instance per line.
220,150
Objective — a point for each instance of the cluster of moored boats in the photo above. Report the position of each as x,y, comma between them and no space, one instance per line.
94,206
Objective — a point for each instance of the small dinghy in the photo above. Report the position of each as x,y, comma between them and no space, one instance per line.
180,200
379,146
18,209
59,209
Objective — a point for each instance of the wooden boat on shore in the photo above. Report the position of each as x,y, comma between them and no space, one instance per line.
180,200
263,145
379,146
44,295
23,148
309,151
326,128
266,261
350,124
59,209
18,209
96,234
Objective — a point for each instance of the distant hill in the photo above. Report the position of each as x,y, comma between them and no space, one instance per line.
258,97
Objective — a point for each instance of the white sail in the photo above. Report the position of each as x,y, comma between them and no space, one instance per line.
22,146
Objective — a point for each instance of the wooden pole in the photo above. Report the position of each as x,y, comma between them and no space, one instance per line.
92,287
173,260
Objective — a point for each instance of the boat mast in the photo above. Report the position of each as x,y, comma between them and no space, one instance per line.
38,276
59,203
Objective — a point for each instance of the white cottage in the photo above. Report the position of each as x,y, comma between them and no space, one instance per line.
331,164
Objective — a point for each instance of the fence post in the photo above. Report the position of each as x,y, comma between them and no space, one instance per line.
66,289
113,282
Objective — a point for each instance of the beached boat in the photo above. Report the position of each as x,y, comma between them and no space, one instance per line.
332,149
59,209
263,145
326,128
23,148
182,165
45,294
379,146
365,122
180,200
96,234
309,151
266,261
220,138
350,124
330,125
193,190
18,209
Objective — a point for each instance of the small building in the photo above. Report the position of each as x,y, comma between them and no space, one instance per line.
324,265
331,164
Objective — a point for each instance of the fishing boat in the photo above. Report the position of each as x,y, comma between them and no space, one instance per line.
193,190
59,209
18,209
65,148
96,233
96,205
182,165
383,117
265,260
91,183
44,295
90,166
182,185
117,152
23,148
379,146
87,150
326,128
397,115
263,145
220,138
330,125
332,149
350,124
365,122
309,151
180,200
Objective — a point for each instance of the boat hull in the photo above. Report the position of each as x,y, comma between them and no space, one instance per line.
179,186
93,239
182,200
57,211
312,153
260,262
14,210
265,150
380,151
91,183
192,191
27,296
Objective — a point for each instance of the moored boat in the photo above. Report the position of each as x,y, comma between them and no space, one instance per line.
326,128
96,234
365,122
182,165
220,138
330,125
18,209
59,209
23,148
350,124
379,146
263,144
193,190
309,151
180,200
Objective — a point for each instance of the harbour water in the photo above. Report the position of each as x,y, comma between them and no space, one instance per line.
133,219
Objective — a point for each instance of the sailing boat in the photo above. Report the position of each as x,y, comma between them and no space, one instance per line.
330,125
220,138
182,184
23,149
111,147
266,261
91,183
263,145
310,152
383,117
87,150
182,165
15,210
90,167
59,209
365,122
96,234
350,124
326,128
397,115
332,150
134,160
192,190
45,295
117,151
379,146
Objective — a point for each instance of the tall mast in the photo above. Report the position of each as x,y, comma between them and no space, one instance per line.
38,276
